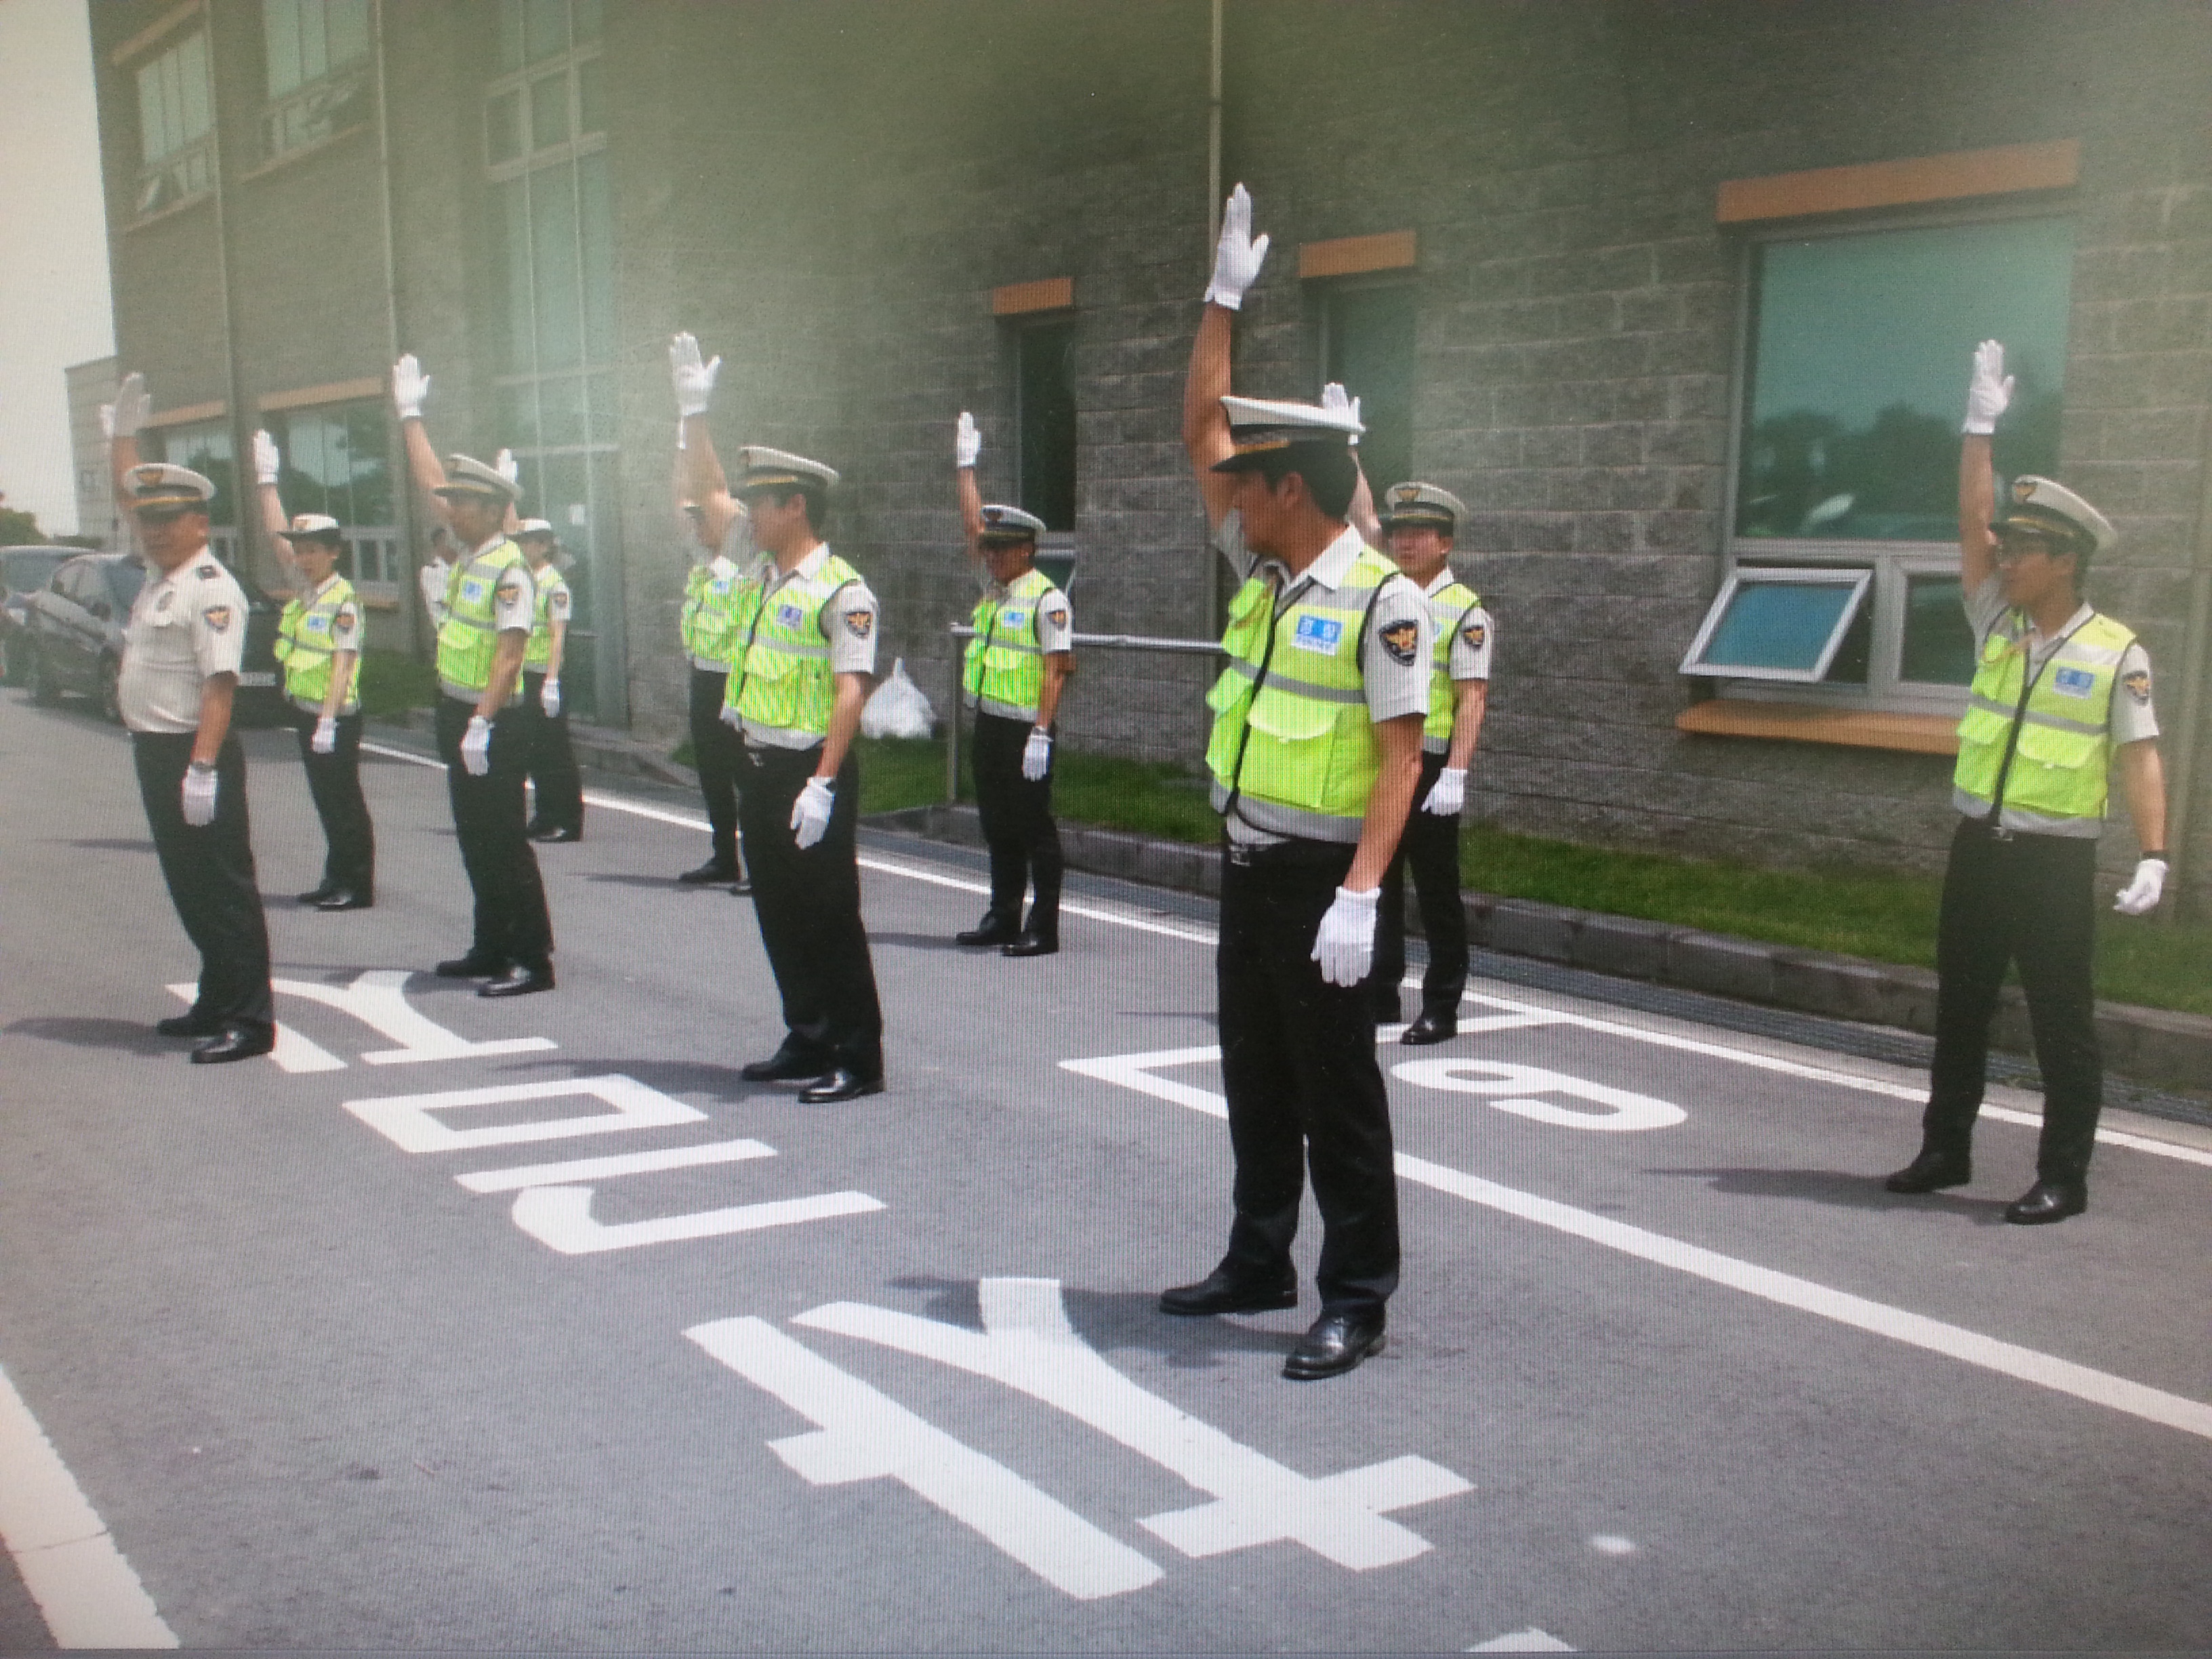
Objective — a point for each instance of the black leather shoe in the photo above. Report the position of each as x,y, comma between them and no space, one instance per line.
471,966
1337,1342
995,928
2048,1200
709,874
188,1025
1430,1028
558,833
786,1065
519,981
1033,943
1931,1172
318,895
839,1084
1224,1292
235,1042
343,899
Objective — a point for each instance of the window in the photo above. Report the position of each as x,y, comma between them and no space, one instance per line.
317,54
337,460
204,446
1044,421
1856,345
1367,345
549,96
1778,624
176,118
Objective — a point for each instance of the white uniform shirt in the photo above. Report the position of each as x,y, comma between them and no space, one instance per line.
348,628
183,626
514,600
1396,685
847,620
1054,623
432,578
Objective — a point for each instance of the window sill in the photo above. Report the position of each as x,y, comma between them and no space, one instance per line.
1796,722
303,152
201,199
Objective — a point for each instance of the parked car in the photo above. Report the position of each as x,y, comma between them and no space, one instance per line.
23,572
74,629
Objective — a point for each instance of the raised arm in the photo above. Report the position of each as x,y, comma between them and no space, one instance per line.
1361,513
409,386
967,449
124,417
268,463
703,481
1205,437
1987,394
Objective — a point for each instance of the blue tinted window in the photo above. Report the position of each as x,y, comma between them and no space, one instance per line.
1783,625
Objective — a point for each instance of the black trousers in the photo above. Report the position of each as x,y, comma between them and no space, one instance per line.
552,762
1430,848
2029,899
210,871
1305,1090
809,907
716,753
512,924
334,781
1017,823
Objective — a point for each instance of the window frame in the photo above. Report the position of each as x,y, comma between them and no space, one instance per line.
1023,329
1858,578
184,173
316,97
1326,290
378,547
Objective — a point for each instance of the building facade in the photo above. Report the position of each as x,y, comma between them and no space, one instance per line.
91,384
1678,296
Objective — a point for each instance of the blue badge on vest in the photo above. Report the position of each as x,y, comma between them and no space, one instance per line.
318,624
721,587
789,616
471,591
1012,618
2074,683
1321,634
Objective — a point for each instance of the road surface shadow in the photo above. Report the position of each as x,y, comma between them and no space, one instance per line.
107,844
720,1084
81,1032
1842,1189
931,942
1110,1321
664,884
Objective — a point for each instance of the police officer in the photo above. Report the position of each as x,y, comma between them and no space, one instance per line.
484,733
707,626
1017,665
801,675
1316,754
1421,521
2061,698
559,788
181,651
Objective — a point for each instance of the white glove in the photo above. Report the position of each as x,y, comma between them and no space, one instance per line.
548,698
732,718
1345,946
694,381
809,813
325,740
967,441
409,386
475,747
268,459
1990,390
107,422
2142,895
1037,755
197,795
1448,794
132,404
1332,398
1236,259
506,466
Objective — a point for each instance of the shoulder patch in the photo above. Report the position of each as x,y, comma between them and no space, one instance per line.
509,586
860,624
1475,633
217,617
1057,616
1400,640
2137,682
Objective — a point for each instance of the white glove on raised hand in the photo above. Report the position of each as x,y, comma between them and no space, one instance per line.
967,441
2143,893
325,740
1989,392
693,379
197,795
1334,399
548,698
506,466
475,747
107,422
409,386
1345,946
1237,257
1448,794
268,459
1037,755
133,404
809,813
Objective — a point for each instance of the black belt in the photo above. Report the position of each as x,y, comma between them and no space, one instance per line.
1293,855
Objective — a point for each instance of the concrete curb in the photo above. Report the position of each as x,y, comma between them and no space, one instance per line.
2149,1045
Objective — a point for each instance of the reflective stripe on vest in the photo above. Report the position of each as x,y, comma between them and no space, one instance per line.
2060,761
1004,670
1292,751
303,646
539,654
710,621
782,678
1448,609
469,636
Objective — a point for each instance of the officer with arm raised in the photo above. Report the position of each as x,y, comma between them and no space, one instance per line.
559,788
2061,698
707,626
1316,754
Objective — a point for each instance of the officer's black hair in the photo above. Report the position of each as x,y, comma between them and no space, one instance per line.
816,499
1332,475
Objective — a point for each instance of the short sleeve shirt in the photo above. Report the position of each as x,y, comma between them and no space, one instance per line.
558,601
847,620
186,625
348,628
1056,618
432,578
514,600
1472,637
2133,716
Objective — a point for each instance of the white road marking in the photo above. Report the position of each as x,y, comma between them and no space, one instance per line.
1531,1640
86,1591
293,1052
406,1120
603,1169
1028,1345
378,1000
560,1218
1915,1330
1612,1543
1520,1084
863,1435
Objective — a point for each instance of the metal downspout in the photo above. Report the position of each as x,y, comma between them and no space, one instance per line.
2189,735
403,495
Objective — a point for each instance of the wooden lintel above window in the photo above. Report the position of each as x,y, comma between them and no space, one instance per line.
189,414
337,391
1796,722
156,32
1020,299
1354,256
1951,177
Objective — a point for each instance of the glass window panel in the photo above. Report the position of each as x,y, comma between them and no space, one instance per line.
597,252
513,259
196,113
206,449
280,36
503,128
518,417
1939,645
1370,351
553,265
560,411
152,134
600,388
1777,625
588,20
1045,362
1859,361
592,113
314,41
549,111
509,50
545,28
348,31
368,438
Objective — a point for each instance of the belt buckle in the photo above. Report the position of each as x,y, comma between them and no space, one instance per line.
1239,855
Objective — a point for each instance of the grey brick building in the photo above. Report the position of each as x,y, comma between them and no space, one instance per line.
1678,294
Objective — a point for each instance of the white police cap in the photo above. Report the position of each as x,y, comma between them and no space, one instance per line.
1414,504
1010,524
467,476
2045,504
1261,426
312,525
158,488
535,527
765,468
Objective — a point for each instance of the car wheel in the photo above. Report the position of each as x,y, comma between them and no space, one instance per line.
46,689
110,693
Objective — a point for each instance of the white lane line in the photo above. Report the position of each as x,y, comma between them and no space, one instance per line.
86,1591
1531,1640
605,1169
1612,1028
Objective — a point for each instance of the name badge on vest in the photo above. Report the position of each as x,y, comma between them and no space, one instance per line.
318,624
722,586
471,591
789,616
1320,634
2074,682
1012,618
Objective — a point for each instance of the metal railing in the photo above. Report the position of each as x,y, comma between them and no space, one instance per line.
1089,641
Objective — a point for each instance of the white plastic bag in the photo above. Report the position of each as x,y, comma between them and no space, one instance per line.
898,709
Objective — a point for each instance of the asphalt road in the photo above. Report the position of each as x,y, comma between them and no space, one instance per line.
317,1352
